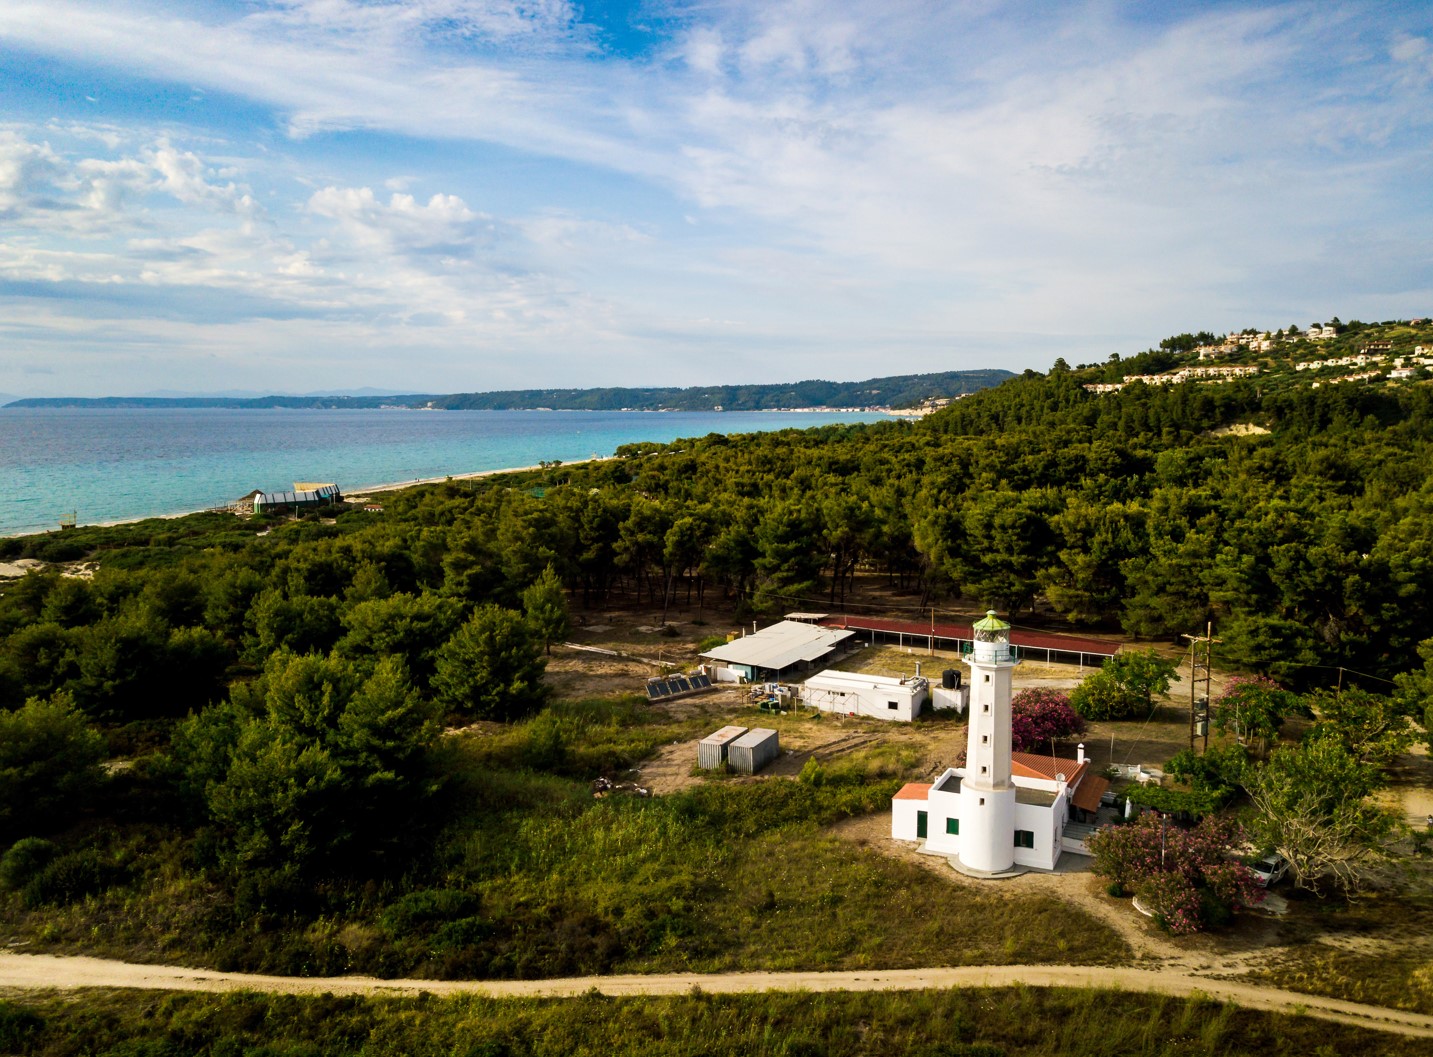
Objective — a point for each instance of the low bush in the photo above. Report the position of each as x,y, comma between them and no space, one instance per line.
71,877
24,860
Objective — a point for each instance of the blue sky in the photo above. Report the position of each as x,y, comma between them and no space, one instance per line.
455,195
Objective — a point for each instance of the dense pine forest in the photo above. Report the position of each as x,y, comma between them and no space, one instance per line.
225,745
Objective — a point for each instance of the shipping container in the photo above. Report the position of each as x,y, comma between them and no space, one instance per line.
753,750
712,750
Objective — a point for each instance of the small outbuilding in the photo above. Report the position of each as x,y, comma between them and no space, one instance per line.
712,750
306,495
753,750
787,645
875,696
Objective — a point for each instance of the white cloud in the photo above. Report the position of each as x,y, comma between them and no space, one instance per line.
854,176
27,170
402,225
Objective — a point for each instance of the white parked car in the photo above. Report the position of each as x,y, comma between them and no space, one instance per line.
1269,869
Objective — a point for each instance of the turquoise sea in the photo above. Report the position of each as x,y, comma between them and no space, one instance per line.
118,464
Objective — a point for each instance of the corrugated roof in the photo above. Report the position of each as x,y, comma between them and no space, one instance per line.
780,646
1043,640
292,498
913,791
833,677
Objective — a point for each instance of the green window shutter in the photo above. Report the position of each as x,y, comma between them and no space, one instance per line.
952,826
922,818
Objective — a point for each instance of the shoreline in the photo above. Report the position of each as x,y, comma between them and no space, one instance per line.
474,475
393,486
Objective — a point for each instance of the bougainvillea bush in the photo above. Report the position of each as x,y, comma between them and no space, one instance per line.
1187,878
1038,716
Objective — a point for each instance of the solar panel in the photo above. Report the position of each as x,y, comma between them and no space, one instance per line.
654,691
701,682
682,685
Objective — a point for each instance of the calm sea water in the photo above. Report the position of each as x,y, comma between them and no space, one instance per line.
111,464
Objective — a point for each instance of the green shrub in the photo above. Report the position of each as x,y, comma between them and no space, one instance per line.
421,910
24,860
70,878
18,1028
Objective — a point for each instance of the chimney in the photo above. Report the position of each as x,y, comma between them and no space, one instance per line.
918,668
1080,753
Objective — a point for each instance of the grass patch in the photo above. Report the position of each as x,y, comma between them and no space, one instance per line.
528,875
1008,1022
1377,952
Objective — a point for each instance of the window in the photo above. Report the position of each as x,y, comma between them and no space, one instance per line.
984,770
987,678
892,705
1024,838
952,826
985,708
985,739
982,801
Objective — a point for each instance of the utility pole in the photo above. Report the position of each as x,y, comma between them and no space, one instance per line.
1200,647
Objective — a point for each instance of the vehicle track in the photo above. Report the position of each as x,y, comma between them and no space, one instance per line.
31,972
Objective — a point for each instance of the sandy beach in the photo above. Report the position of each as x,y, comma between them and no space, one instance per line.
348,493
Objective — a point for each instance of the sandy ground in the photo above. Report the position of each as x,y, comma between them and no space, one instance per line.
29,972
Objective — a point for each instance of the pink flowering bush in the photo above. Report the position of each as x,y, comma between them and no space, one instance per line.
1038,716
1173,901
1186,878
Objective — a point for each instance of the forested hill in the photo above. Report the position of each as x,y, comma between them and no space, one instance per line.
899,391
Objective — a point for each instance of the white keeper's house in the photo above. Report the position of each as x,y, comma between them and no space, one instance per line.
1001,810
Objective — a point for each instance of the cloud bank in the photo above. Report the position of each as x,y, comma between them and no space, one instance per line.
456,194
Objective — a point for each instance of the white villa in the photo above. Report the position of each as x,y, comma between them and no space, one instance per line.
1002,809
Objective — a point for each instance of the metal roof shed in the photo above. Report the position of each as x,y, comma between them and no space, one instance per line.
753,750
780,646
712,750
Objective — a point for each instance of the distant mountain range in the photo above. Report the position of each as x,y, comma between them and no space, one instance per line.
898,391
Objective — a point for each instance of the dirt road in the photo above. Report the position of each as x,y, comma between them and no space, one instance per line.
43,972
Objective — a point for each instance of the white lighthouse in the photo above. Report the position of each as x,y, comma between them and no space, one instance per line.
1003,810
987,794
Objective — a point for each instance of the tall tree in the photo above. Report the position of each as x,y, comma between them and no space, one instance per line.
544,604
1314,806
491,667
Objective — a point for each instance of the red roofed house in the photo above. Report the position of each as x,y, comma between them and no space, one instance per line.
1002,809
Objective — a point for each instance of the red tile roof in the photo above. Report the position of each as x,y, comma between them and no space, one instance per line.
1043,640
1087,797
913,791
1032,765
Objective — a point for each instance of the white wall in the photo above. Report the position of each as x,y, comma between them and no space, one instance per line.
943,806
903,818
871,703
1047,823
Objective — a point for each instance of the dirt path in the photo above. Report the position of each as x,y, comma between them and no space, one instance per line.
46,972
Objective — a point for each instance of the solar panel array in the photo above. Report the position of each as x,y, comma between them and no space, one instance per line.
659,688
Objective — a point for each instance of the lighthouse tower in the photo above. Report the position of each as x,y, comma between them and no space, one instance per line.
987,796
